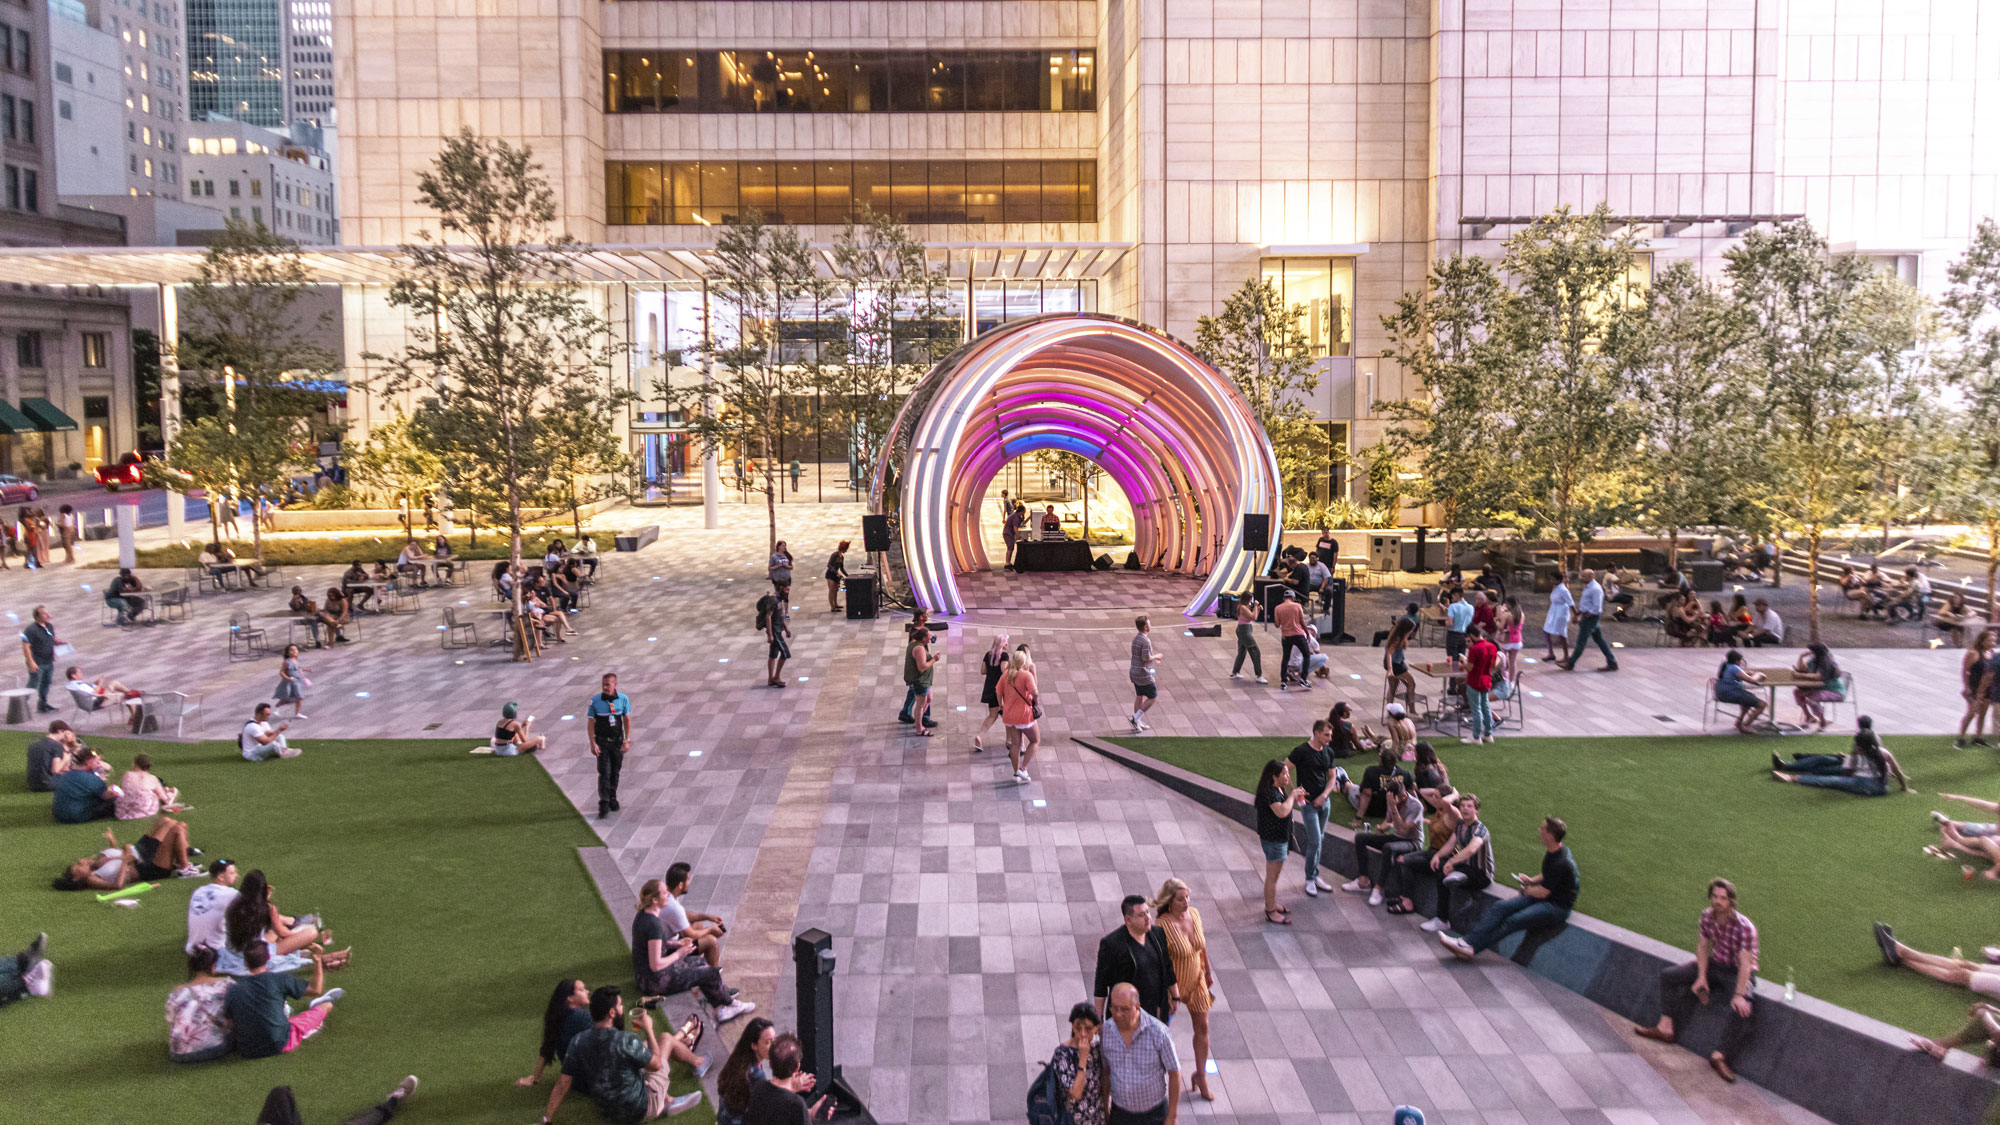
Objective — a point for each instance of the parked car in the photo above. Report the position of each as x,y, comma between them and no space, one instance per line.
129,470
14,490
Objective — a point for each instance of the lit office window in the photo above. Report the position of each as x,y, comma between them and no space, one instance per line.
668,80
657,193
1322,290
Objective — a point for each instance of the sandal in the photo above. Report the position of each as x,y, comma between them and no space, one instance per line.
1396,907
1277,917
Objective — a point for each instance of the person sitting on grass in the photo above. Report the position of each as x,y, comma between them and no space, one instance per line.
1982,1029
81,794
511,736
197,1029
1732,682
662,963
50,756
1861,772
1369,795
1544,902
141,796
261,740
354,582
100,692
1725,949
251,921
1431,779
780,1099
1983,979
27,973
162,853
255,1006
623,1072
568,1016
1972,838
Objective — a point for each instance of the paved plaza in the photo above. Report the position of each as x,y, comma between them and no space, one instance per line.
965,908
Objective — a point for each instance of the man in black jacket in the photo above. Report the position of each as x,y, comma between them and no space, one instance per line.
1136,954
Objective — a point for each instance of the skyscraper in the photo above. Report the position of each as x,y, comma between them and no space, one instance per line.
236,61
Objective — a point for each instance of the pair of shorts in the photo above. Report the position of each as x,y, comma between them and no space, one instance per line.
920,689
780,649
1985,982
1975,828
1454,645
1398,667
1146,691
145,850
1511,646
1275,851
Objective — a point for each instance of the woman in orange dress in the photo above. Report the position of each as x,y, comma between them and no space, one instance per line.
1188,947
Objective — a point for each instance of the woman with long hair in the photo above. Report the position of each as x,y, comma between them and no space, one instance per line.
1188,947
1510,621
836,569
1862,772
1818,679
1020,699
566,1016
746,1066
992,665
1275,798
665,964
251,917
1430,777
1972,672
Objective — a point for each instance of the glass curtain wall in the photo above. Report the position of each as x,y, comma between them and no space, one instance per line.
673,80
675,193
236,61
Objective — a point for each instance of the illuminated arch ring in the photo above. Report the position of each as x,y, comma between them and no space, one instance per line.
1170,430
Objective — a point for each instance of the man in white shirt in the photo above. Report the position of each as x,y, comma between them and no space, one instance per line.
206,926
261,740
1766,627
1590,610
677,919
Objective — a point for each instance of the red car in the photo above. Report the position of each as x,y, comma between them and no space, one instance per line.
128,471
14,490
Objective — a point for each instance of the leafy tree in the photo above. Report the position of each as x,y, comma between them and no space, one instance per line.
1808,356
1898,329
1972,322
498,328
775,338
1683,355
398,462
1258,343
1440,334
899,327
587,460
1071,468
1564,415
242,326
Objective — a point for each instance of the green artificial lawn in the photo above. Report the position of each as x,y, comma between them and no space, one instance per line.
454,877
338,548
1651,820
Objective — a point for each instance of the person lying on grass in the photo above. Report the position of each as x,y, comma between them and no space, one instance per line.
162,853
568,1016
1983,979
1982,1029
1861,772
27,973
1971,838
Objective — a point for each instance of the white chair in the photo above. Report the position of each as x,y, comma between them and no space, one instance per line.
178,706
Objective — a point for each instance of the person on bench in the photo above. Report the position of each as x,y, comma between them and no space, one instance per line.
663,964
1400,834
1544,903
1725,949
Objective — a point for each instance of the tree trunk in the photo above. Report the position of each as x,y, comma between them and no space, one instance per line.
1812,581
1992,566
256,531
523,650
1674,548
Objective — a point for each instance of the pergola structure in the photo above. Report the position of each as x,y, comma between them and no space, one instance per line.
1170,430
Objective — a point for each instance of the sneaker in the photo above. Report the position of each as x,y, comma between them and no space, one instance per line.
1323,884
404,1089
1023,775
41,979
1885,940
683,1104
1353,886
1262,680
299,716
706,1066
1134,721
189,872
327,997
1375,897
1940,818
739,1008
1435,926
1454,879
194,851
1458,947
290,751
1312,889
1143,724
1235,675
906,719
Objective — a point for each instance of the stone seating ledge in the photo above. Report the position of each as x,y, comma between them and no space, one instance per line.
1839,1064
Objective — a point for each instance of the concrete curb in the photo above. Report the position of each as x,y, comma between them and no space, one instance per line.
1839,1064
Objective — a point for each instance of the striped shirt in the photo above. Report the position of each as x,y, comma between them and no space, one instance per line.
1730,940
1138,1071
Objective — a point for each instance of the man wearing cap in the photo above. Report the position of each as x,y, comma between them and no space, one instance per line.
1290,618
208,904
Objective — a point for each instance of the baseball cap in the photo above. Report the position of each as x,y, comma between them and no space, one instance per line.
218,867
1396,709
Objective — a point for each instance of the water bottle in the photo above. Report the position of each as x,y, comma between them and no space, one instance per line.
1791,991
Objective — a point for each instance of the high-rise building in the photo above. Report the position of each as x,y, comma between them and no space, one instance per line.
1337,147
119,65
236,53
261,177
309,62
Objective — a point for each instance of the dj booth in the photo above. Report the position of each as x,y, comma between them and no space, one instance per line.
1065,554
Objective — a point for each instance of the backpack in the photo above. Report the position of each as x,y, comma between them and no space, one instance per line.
765,605
1045,1100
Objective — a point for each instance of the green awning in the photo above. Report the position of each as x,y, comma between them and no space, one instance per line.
13,421
47,418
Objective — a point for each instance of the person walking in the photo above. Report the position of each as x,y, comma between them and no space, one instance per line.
795,474
69,528
992,665
778,631
1395,662
1312,765
1544,902
1135,956
1139,1064
1188,946
779,571
1145,692
38,649
610,719
1590,610
1276,797
1555,625
1021,711
292,682
1725,949
919,669
1290,618
1480,661
1247,612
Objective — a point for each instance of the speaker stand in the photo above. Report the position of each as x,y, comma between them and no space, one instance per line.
843,1101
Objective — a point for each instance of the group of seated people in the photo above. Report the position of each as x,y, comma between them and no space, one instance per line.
1817,681
334,614
79,781
1886,599
1744,623
551,593
414,566
1488,581
219,561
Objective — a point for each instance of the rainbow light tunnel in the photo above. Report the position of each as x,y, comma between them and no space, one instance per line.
1168,429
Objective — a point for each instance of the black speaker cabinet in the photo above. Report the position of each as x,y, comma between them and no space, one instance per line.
875,533
1256,532
860,596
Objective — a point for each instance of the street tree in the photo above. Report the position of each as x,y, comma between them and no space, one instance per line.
898,305
1260,345
498,327
1899,332
1808,360
1972,364
398,463
587,461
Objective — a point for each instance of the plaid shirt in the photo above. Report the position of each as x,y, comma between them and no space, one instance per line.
1727,942
1138,1073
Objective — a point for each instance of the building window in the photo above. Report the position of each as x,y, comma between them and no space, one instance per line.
7,128
235,189
669,80
28,349
830,191
257,187
96,349
65,74
1322,289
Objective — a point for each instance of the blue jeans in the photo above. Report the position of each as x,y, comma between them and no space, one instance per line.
1312,834
1482,711
39,680
1588,631
1859,786
1513,916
